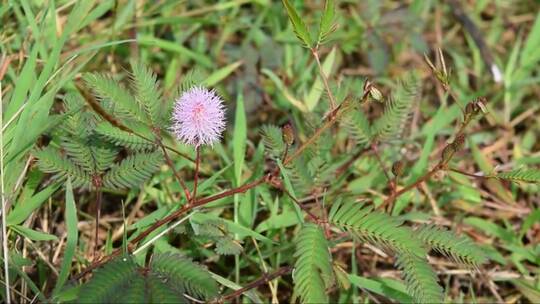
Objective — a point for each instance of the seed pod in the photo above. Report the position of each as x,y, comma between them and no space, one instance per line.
397,168
288,134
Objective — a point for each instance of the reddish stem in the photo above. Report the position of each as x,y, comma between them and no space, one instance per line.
415,184
196,179
171,165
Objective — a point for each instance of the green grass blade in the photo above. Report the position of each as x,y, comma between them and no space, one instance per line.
72,237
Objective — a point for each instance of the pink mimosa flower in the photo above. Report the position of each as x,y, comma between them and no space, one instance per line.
198,117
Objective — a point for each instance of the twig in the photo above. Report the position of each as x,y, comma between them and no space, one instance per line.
171,165
422,179
266,277
98,215
327,124
333,103
306,210
196,179
469,174
4,230
17,292
383,167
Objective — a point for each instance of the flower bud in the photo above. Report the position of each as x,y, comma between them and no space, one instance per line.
288,134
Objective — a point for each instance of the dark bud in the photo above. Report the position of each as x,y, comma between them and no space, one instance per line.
397,168
447,153
476,106
459,142
471,108
288,134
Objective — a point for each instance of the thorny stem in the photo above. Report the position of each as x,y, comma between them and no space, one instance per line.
265,278
196,179
315,53
329,120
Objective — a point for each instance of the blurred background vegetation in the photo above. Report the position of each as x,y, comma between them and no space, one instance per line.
248,47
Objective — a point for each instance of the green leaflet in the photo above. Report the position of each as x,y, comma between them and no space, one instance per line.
169,278
313,269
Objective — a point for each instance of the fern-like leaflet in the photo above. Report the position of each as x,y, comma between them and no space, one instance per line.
50,160
313,272
420,278
520,175
459,248
273,140
397,109
147,93
133,170
181,272
169,278
388,232
375,227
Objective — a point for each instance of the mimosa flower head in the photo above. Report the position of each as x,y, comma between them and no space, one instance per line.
198,117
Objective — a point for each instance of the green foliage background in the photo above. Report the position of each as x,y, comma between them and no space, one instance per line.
455,239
